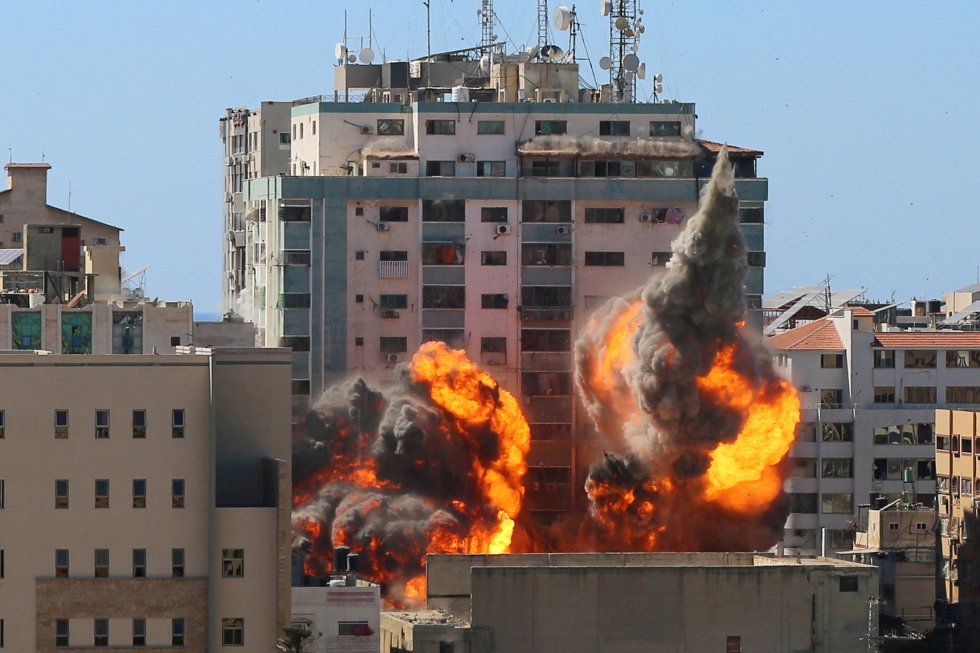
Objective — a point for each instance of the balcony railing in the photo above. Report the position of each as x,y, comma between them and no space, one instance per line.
393,269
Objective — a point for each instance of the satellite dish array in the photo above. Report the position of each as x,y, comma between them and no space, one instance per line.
345,56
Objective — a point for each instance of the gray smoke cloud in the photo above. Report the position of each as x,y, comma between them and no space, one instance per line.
665,425
562,145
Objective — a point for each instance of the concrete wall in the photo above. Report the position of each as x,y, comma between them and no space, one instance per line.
323,608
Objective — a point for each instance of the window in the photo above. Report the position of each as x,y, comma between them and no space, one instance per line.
440,127
358,341
908,433
920,395
392,255
139,492
733,644
452,337
391,127
489,127
605,216
233,630
127,332
16,236
177,563
832,360
177,493
393,214
546,340
493,258
493,214
752,215
605,259
61,563
60,423
803,503
755,259
884,358
102,424
660,258
2,564
101,563
443,296
393,345
614,128
101,632
3,422
837,468
139,423
139,632
493,301
920,358
546,211
440,168
884,394
443,253
177,422
838,432
921,526
139,563
398,168
491,168
61,633
355,629
550,127
831,398
546,384
848,584
387,302
546,297
546,254
963,358
836,504
665,128
177,631
962,395
493,351
61,493
174,341
542,168
2,493
101,493
443,210
232,563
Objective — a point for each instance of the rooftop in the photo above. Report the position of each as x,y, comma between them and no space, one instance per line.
817,335
44,166
927,339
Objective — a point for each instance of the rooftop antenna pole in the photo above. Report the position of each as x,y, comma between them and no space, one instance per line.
486,23
346,86
542,24
428,29
370,29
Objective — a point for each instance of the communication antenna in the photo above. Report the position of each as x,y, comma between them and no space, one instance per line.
542,24
625,27
487,17
564,20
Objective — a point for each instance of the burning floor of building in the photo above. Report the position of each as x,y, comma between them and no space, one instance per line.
695,424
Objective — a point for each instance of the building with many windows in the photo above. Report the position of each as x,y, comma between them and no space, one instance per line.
144,500
867,430
495,222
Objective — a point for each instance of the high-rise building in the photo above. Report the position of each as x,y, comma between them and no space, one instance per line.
490,202
867,431
144,500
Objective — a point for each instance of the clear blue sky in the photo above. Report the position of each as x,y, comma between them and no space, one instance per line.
867,113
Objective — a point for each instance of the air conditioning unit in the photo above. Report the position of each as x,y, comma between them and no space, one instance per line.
503,229
389,313
365,129
646,217
391,358
561,231
466,158
383,226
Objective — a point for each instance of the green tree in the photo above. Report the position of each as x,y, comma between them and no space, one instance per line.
293,640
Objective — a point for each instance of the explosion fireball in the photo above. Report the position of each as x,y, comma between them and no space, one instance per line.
695,423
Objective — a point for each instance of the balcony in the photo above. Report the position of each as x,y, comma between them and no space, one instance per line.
547,314
393,269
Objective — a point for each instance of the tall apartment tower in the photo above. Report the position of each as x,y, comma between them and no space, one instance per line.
146,502
868,423
494,215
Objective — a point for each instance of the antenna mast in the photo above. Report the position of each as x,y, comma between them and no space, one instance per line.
488,38
542,24
624,31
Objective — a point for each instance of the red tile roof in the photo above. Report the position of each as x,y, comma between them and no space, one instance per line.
818,335
859,311
715,147
933,339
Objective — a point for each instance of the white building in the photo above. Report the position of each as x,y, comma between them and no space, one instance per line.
341,619
144,500
868,412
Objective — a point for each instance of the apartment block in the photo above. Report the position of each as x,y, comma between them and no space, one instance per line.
867,430
958,469
144,500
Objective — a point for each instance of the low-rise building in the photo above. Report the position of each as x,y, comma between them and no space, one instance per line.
144,500
342,616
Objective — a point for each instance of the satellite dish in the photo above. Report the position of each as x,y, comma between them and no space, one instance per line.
659,88
351,58
551,53
562,18
605,7
340,51
629,33
605,63
641,72
366,55
621,23
631,62
658,78
533,51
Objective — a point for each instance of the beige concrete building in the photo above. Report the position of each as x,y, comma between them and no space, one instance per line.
25,201
342,617
144,500
958,469
624,603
